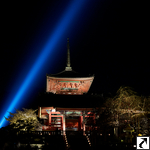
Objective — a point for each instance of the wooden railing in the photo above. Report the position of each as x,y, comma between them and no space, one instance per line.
59,132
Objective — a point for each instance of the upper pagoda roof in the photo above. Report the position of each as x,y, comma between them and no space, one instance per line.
68,72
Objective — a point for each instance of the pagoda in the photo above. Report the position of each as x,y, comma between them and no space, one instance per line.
65,85
68,82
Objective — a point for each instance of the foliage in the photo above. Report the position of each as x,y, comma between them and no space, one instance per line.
128,102
24,120
126,99
124,106
105,118
146,101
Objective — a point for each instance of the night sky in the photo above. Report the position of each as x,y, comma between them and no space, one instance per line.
108,38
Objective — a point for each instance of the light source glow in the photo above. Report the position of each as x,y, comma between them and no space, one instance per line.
65,22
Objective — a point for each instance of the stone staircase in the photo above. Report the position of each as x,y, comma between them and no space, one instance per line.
77,141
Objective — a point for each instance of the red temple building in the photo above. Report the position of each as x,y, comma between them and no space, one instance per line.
70,119
65,84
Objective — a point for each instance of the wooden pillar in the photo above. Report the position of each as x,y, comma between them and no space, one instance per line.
116,131
40,112
116,127
62,118
94,117
49,121
84,121
81,121
64,122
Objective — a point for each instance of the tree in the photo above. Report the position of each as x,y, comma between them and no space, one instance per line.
128,107
126,101
24,120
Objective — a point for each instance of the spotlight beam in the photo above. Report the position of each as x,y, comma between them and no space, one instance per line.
68,17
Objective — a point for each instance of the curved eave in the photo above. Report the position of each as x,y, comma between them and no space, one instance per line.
73,78
69,74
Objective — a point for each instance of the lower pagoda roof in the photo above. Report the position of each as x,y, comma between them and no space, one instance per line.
70,74
69,101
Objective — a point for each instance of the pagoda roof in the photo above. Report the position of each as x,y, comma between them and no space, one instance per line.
70,74
68,101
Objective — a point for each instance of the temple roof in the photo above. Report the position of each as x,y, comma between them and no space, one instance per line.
70,74
68,101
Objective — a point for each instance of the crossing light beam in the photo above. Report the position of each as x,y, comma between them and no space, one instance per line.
65,22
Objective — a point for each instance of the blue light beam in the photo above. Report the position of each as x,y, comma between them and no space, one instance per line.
68,17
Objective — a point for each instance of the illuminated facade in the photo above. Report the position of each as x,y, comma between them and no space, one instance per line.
70,119
65,83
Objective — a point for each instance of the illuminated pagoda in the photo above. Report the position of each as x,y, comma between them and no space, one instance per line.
66,88
68,81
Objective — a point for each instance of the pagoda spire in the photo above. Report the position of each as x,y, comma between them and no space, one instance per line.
68,68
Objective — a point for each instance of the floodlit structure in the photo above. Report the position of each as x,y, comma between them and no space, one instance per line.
70,119
67,82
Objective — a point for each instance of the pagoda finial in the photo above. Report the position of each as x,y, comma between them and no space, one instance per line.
68,68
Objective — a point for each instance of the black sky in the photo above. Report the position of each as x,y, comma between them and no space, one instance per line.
111,41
